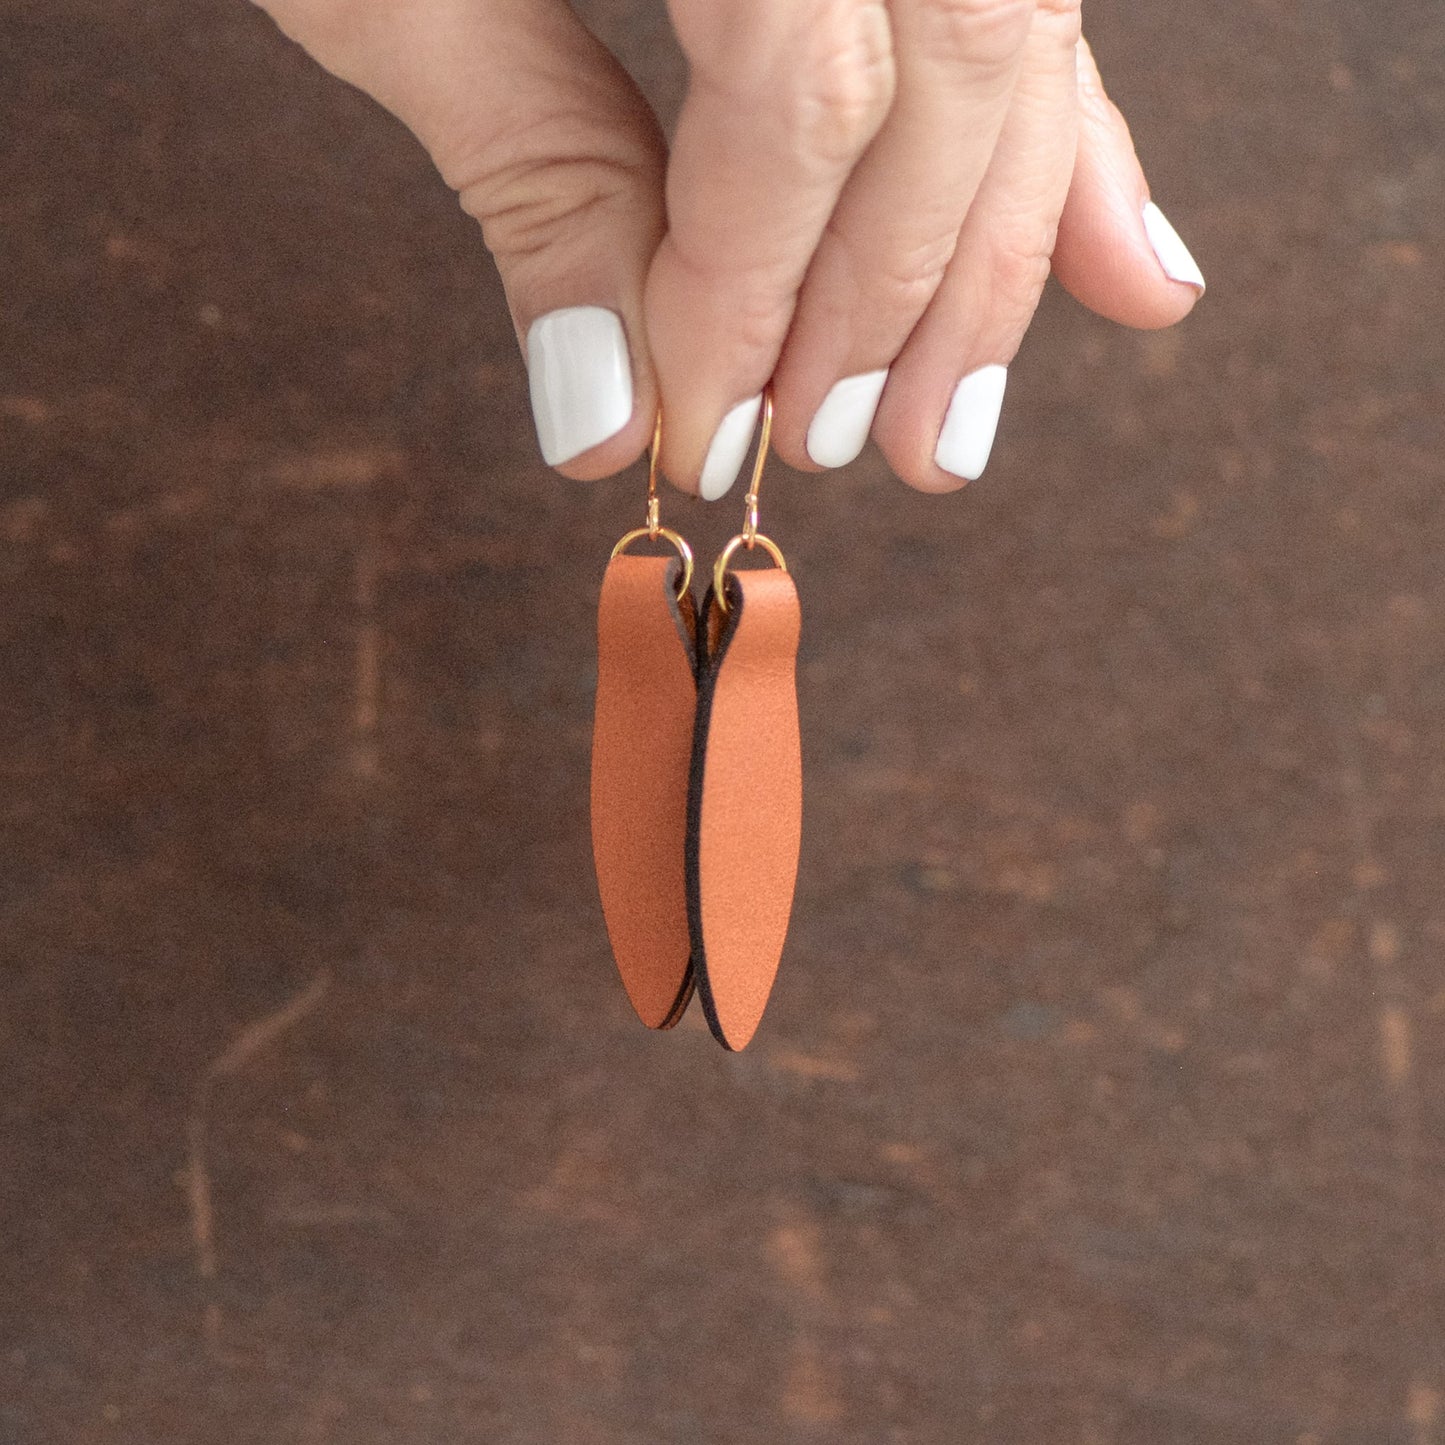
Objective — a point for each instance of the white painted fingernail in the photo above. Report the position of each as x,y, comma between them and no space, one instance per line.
840,428
1173,254
729,447
968,429
581,380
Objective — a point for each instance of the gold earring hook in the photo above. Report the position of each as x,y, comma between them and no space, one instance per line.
750,501
750,537
653,529
654,506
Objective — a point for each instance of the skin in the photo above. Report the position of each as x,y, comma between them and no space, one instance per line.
852,185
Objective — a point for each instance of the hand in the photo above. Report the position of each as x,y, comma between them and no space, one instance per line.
862,203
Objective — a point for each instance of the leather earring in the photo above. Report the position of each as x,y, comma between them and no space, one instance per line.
642,747
745,790
697,771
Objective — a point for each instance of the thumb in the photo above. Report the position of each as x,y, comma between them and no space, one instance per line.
551,147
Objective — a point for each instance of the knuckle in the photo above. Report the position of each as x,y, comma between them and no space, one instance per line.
1064,20
531,204
904,284
1020,270
845,83
1095,105
986,34
760,320
759,298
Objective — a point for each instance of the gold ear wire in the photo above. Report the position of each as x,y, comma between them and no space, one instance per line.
750,501
654,526
750,537
653,529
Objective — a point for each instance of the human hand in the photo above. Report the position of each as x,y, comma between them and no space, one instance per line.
862,203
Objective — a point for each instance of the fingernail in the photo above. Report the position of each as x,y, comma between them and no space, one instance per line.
1173,254
968,429
581,380
729,447
840,428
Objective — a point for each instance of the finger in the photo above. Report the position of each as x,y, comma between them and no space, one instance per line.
893,232
552,149
783,99
1116,253
940,409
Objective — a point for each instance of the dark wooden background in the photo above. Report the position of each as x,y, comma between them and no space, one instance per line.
1101,1099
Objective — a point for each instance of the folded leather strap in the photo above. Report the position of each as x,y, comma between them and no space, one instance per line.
745,804
641,751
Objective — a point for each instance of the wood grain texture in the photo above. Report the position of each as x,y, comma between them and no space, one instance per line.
1102,1097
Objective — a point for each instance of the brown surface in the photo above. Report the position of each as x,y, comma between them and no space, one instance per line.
1101,1096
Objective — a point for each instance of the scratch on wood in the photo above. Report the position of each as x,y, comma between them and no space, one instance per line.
366,682
1384,948
1384,943
340,467
321,1417
29,409
1423,1410
797,1258
1395,1045
250,1041
809,1391
812,1066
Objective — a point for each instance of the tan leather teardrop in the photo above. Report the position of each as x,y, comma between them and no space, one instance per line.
745,805
641,751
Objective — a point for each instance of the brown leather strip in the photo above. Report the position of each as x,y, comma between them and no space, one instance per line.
641,751
745,805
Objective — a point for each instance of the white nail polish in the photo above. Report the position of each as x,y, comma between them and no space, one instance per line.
968,429
581,380
729,447
1173,254
840,428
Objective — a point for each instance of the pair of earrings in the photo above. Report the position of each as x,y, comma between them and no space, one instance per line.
697,771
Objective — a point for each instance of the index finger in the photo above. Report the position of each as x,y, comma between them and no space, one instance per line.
784,96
